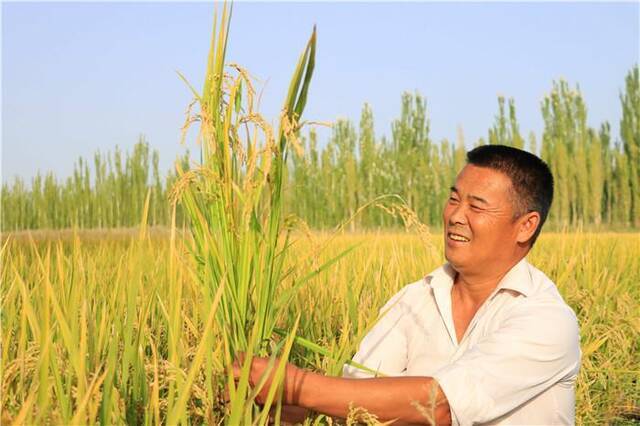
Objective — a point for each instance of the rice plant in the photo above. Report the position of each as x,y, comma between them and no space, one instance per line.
75,308
234,200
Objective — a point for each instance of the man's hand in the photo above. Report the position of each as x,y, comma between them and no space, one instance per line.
260,368
291,414
389,398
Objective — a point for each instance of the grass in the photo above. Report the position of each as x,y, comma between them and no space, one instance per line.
117,330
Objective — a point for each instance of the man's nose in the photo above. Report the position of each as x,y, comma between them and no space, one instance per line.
458,215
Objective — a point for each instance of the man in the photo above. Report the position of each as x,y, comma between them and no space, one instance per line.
485,339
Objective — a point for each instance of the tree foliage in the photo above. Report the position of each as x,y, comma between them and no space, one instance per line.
597,178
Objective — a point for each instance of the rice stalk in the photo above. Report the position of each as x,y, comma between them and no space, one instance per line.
234,200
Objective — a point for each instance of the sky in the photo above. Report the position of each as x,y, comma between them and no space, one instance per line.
80,77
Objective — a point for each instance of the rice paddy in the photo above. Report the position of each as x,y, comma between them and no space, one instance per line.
111,330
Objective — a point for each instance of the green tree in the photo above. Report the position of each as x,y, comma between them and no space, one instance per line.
630,135
505,130
368,167
412,146
565,140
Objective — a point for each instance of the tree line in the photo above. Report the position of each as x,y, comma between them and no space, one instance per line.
597,175
109,192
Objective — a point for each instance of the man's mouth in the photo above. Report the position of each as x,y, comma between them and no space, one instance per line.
458,237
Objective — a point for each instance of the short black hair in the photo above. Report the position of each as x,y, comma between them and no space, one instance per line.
531,178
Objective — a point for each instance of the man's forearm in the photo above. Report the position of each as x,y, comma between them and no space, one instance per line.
407,399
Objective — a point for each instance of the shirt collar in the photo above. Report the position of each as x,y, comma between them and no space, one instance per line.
518,278
442,277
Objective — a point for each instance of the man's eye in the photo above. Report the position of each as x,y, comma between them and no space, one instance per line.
476,207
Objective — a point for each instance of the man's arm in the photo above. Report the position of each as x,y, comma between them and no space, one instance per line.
405,399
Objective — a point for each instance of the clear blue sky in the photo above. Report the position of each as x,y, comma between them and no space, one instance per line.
77,77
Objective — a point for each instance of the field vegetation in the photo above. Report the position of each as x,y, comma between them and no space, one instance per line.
110,330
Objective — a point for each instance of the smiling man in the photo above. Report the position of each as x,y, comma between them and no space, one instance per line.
484,339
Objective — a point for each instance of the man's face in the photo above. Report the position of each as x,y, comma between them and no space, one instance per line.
480,234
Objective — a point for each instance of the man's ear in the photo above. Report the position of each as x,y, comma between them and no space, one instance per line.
527,225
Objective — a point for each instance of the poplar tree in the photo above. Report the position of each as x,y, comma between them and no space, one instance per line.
604,135
505,130
514,129
630,135
368,167
533,145
315,193
596,178
622,189
498,133
411,145
565,137
346,183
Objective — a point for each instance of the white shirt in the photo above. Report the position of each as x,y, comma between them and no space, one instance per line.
516,364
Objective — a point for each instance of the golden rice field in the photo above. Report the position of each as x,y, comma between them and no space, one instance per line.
113,328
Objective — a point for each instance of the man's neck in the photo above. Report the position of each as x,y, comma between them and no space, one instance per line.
473,289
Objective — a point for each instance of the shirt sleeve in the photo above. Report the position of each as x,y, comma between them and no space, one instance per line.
534,348
384,348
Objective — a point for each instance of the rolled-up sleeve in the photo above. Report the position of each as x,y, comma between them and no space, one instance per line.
384,348
535,347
